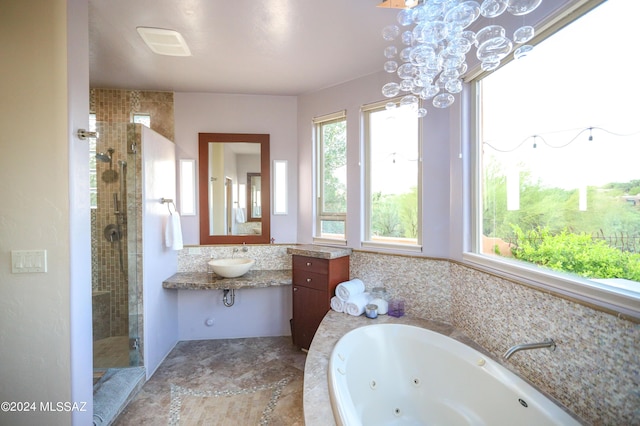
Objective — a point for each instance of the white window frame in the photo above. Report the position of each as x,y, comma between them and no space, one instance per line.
621,302
320,216
367,241
143,118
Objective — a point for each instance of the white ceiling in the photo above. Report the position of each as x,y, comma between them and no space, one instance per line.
269,47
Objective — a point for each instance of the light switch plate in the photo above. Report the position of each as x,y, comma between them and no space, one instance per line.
28,261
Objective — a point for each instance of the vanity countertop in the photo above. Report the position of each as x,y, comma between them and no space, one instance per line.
205,281
321,252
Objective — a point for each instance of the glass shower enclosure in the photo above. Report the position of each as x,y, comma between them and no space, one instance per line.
115,274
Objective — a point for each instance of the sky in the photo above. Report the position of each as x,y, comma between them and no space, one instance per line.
587,78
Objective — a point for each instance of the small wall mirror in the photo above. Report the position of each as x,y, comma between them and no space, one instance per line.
234,188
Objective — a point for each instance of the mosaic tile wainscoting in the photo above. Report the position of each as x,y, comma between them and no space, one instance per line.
267,256
595,370
424,285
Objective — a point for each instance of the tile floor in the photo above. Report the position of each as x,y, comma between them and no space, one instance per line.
110,352
252,381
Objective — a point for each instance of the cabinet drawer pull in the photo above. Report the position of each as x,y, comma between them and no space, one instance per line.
295,289
308,263
308,280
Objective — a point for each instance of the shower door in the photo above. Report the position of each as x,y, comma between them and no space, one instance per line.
114,252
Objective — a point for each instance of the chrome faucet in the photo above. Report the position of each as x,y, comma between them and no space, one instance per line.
549,343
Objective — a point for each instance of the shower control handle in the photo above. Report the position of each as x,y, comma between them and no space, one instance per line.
111,233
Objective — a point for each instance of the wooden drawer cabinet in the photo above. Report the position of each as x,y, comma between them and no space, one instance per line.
314,282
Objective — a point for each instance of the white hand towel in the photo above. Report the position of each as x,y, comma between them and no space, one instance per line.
356,304
173,232
240,216
337,304
349,288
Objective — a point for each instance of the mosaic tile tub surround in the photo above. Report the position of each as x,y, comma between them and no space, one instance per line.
595,369
594,372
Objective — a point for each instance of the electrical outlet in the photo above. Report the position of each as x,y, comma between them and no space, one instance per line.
28,261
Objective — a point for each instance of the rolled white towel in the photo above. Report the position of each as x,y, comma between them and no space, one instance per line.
349,288
337,304
356,304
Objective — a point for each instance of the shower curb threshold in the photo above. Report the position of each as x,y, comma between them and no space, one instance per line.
114,391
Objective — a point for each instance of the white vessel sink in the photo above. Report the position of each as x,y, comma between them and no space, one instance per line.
231,268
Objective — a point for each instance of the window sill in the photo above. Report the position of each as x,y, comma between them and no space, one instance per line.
621,301
330,241
397,247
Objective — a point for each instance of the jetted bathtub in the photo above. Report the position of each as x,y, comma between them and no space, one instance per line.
394,374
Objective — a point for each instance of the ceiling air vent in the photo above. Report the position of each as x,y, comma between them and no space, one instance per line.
164,42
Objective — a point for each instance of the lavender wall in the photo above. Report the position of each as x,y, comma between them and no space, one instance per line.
351,96
217,113
45,318
158,262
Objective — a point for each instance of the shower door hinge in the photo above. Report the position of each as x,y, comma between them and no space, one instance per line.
134,344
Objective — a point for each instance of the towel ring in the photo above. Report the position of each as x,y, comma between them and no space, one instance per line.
169,202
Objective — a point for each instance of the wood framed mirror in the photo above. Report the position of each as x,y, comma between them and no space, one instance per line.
234,188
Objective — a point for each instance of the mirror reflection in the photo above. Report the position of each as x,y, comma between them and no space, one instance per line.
232,191
253,195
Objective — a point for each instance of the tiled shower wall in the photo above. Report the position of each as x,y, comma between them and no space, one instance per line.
108,275
114,110
118,106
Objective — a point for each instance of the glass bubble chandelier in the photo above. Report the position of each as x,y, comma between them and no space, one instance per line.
435,43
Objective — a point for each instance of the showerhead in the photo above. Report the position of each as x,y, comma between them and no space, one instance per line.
109,175
105,158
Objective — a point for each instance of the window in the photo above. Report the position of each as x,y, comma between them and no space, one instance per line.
393,176
331,167
559,143
93,174
144,119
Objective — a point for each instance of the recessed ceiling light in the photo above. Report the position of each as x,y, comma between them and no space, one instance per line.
164,42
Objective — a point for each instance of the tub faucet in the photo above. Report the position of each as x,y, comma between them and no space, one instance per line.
549,343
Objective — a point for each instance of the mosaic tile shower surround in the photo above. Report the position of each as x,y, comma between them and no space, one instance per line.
108,274
101,314
595,370
267,256
118,106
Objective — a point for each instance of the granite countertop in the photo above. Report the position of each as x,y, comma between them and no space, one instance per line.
316,402
205,281
321,252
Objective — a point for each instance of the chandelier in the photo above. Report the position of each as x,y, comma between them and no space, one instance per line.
435,43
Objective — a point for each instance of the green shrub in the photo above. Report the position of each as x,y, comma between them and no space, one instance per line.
575,253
